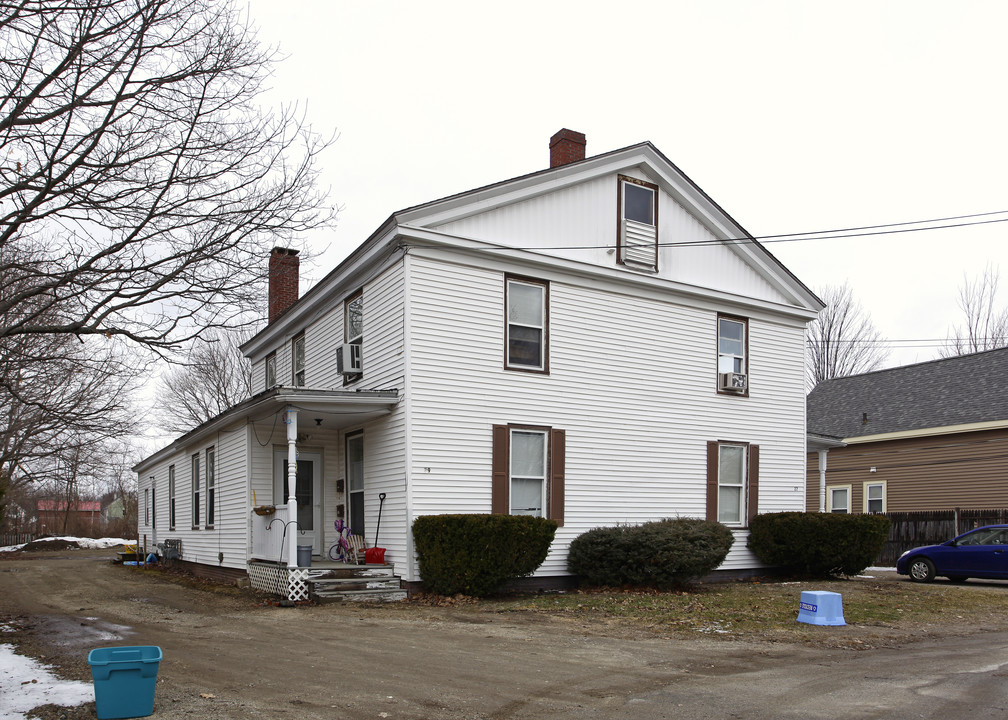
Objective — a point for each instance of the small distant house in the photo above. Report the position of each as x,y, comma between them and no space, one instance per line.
598,342
929,436
53,517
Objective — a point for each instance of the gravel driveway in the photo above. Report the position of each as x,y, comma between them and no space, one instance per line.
232,656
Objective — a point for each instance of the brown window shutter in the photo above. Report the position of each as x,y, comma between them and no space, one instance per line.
500,495
558,460
712,478
753,496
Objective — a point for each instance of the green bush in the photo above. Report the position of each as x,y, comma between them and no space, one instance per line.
818,544
476,554
656,554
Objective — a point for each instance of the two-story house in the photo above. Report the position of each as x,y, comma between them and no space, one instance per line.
598,342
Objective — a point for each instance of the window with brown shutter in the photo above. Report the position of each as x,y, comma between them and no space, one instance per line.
528,469
732,482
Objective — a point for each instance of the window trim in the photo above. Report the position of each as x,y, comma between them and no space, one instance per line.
357,339
556,463
147,507
299,338
195,491
622,181
864,496
750,487
544,285
270,370
850,498
717,354
211,486
171,497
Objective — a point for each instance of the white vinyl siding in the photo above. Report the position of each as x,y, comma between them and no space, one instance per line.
636,449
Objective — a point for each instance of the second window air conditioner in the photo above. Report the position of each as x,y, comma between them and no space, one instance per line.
737,382
348,359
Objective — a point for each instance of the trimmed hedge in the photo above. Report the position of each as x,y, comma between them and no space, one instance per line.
658,554
476,554
818,544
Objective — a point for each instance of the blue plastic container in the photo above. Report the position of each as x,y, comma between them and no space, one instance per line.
124,679
819,607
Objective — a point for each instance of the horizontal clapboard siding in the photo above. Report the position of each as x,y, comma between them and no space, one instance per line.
631,381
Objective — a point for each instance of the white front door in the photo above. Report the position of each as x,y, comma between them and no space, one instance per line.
308,494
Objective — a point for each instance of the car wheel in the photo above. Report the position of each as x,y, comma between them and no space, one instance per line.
922,570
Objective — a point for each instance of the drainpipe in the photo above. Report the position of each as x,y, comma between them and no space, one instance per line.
822,480
292,513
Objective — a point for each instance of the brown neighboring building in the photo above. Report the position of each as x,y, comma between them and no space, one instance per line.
929,436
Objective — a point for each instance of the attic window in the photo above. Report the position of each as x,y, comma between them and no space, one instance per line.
637,239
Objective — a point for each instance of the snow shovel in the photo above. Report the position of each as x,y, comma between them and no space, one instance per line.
376,555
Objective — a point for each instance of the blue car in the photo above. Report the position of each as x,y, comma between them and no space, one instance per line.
980,553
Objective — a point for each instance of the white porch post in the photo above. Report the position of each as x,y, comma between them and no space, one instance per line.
822,479
292,512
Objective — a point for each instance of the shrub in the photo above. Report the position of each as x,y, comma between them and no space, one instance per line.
818,544
656,554
476,554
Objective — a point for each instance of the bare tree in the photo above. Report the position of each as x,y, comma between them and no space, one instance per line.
215,377
842,340
986,326
141,183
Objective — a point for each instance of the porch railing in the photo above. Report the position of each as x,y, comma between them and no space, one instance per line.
268,534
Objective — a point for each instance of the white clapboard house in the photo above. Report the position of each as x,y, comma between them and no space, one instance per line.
597,342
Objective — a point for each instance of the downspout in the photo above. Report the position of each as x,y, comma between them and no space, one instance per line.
822,479
292,513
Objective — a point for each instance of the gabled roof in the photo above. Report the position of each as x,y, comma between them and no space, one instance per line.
968,390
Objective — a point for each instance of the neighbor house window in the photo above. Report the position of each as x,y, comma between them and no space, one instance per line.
527,324
210,487
298,360
353,329
733,362
271,380
528,471
195,491
874,497
838,499
637,239
732,482
171,497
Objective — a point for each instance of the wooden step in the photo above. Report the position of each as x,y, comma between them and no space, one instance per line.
355,583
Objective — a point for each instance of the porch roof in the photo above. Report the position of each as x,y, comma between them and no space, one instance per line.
335,408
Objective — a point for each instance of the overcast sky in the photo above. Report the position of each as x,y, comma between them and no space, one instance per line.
793,116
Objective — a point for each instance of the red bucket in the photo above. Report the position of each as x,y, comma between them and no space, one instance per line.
374,556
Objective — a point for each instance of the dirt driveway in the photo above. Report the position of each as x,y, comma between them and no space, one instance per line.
234,657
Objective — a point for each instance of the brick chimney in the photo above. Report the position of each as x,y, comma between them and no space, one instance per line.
284,275
566,146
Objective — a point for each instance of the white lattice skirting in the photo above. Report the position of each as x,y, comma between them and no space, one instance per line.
290,583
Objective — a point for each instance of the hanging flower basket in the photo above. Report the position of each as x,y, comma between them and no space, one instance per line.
264,509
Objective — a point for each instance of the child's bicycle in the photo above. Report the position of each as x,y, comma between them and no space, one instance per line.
347,547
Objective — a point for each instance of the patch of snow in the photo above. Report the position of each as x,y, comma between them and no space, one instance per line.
26,683
89,543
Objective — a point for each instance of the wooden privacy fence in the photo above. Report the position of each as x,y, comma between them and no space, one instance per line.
930,527
7,539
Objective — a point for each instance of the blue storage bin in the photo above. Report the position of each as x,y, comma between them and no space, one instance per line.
124,679
819,607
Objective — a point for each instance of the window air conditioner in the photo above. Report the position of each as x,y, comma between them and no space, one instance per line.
348,359
733,381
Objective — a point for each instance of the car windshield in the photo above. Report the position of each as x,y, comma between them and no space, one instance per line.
984,536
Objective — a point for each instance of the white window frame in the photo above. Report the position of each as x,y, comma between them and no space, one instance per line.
195,491
731,362
829,499
742,486
866,502
542,327
171,497
349,336
211,486
637,240
298,374
543,478
271,376
147,507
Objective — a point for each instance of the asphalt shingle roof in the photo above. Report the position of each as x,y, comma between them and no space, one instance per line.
954,391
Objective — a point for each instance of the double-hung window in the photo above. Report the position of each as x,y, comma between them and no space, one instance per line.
146,506
298,360
874,497
211,482
171,497
839,499
526,324
528,468
353,335
733,361
732,482
271,380
195,491
637,239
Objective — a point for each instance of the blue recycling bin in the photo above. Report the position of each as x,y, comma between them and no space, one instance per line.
124,679
818,607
